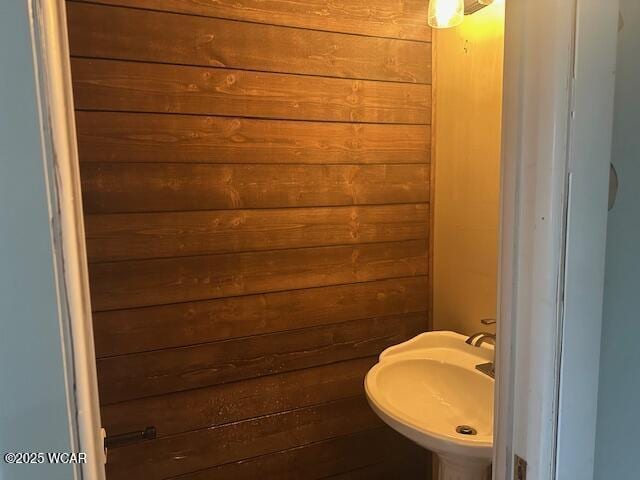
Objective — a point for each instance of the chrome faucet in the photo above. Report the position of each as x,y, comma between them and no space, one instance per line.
477,339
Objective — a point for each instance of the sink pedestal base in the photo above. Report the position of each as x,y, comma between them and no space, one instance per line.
461,468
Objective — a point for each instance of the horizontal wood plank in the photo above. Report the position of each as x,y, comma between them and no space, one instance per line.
154,138
143,87
413,465
142,283
192,451
126,187
164,371
381,18
151,36
378,454
256,185
231,402
173,234
152,328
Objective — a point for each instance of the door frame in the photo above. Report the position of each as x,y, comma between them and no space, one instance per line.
557,60
53,71
557,123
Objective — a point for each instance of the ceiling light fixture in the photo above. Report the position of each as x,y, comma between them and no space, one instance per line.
445,13
450,13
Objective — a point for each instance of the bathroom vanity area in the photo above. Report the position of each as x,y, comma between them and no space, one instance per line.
274,194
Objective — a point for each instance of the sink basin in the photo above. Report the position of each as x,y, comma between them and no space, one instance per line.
430,391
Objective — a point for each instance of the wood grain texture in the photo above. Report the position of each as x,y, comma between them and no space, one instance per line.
200,408
144,87
191,451
164,371
168,326
255,178
140,137
142,283
413,464
381,18
154,235
118,188
378,454
143,35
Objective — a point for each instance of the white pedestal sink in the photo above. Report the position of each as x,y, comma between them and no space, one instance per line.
429,390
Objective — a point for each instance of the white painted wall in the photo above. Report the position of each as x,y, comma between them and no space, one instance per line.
33,401
618,442
468,72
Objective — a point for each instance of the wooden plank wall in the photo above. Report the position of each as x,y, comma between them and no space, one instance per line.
256,190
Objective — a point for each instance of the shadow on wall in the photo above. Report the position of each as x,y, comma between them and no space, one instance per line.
619,396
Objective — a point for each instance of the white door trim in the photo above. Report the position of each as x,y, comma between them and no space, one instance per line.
51,57
589,159
542,145
538,59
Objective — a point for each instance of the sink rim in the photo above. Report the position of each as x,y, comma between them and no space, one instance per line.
424,347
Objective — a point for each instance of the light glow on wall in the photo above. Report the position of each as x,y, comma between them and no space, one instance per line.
445,13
